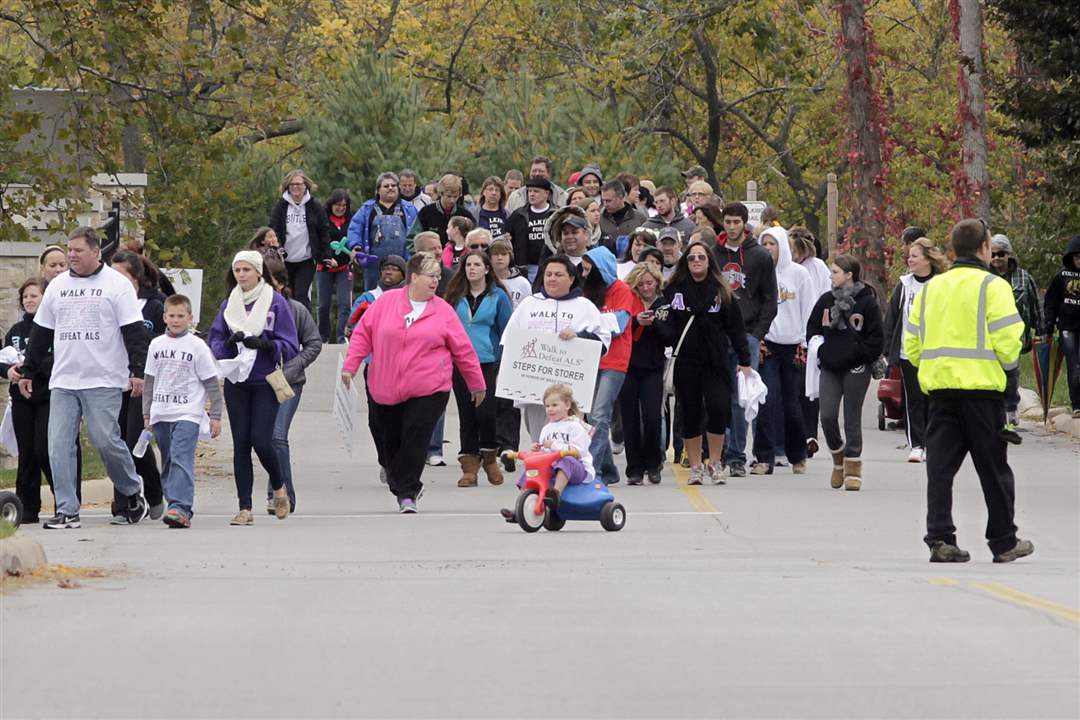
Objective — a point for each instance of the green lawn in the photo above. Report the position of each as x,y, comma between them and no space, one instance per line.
1027,379
92,466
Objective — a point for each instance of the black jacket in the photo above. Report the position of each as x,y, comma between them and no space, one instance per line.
336,234
317,223
431,217
860,343
894,320
1061,307
647,350
708,340
752,277
18,337
528,242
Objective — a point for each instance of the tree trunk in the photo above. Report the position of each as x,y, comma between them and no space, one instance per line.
866,219
973,186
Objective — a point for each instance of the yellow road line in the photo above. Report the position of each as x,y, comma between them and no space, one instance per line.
692,492
943,581
1016,597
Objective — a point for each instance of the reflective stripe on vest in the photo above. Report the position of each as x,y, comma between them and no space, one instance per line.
980,351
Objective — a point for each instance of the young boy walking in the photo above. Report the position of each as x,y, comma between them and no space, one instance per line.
180,375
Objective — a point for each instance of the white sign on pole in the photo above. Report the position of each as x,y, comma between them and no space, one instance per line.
533,362
187,281
346,401
754,208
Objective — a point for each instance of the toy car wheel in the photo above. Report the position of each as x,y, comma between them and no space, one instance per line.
525,512
613,517
552,521
881,416
11,508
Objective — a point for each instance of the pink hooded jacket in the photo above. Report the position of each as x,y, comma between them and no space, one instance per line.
413,362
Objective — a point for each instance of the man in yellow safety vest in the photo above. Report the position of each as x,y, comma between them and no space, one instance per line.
963,332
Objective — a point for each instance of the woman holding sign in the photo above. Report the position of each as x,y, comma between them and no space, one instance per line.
701,320
414,339
561,309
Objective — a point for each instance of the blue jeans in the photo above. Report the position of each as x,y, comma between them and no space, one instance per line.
286,412
252,410
177,441
436,442
100,407
608,385
735,440
779,427
338,285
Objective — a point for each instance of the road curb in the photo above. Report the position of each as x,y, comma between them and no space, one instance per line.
94,492
20,554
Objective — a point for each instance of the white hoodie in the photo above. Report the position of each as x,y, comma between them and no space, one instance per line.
297,240
794,295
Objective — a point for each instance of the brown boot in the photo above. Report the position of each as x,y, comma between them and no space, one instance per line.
470,467
491,467
852,473
837,479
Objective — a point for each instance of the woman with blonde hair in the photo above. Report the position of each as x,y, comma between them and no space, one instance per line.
303,229
924,261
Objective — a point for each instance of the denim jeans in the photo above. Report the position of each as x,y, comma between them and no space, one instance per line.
282,423
252,408
177,441
735,440
1070,344
780,418
100,407
338,285
436,442
608,385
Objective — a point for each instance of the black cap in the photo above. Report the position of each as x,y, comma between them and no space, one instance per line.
911,234
538,182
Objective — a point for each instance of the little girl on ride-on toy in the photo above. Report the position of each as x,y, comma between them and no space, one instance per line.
564,430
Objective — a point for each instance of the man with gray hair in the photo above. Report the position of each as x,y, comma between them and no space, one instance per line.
1026,294
91,319
380,228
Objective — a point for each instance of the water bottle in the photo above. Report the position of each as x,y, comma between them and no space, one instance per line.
144,441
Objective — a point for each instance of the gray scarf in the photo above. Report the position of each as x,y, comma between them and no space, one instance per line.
845,303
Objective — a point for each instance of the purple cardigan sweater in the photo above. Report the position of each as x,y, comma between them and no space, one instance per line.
280,328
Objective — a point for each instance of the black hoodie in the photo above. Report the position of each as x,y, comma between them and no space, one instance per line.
18,337
1061,308
859,343
752,277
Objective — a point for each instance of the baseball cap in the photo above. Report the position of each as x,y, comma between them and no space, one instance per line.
669,233
695,170
576,221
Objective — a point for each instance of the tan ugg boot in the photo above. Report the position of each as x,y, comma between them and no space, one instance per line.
852,473
837,479
491,467
470,468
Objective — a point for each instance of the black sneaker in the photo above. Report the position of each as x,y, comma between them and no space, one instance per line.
1010,435
1023,548
635,480
736,470
136,509
508,515
508,464
811,447
59,521
653,476
943,552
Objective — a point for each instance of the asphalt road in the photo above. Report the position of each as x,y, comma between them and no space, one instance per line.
769,597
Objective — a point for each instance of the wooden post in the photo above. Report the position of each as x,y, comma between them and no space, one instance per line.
751,190
832,210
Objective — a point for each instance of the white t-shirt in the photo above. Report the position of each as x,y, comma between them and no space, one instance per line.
518,288
179,366
570,433
417,310
86,314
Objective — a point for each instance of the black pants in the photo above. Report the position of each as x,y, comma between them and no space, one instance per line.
507,424
705,396
809,407
301,275
476,424
963,423
782,413
405,431
1070,344
639,400
916,405
30,421
253,409
131,426
373,424
677,432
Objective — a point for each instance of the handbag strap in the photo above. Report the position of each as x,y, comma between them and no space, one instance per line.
678,345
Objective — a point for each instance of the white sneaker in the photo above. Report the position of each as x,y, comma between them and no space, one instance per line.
436,460
617,448
917,455
697,475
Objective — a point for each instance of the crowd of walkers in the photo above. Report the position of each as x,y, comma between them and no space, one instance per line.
693,304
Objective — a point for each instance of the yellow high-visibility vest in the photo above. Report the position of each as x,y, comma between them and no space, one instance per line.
964,331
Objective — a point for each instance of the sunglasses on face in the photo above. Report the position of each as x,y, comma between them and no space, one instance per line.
999,253
693,258
478,246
